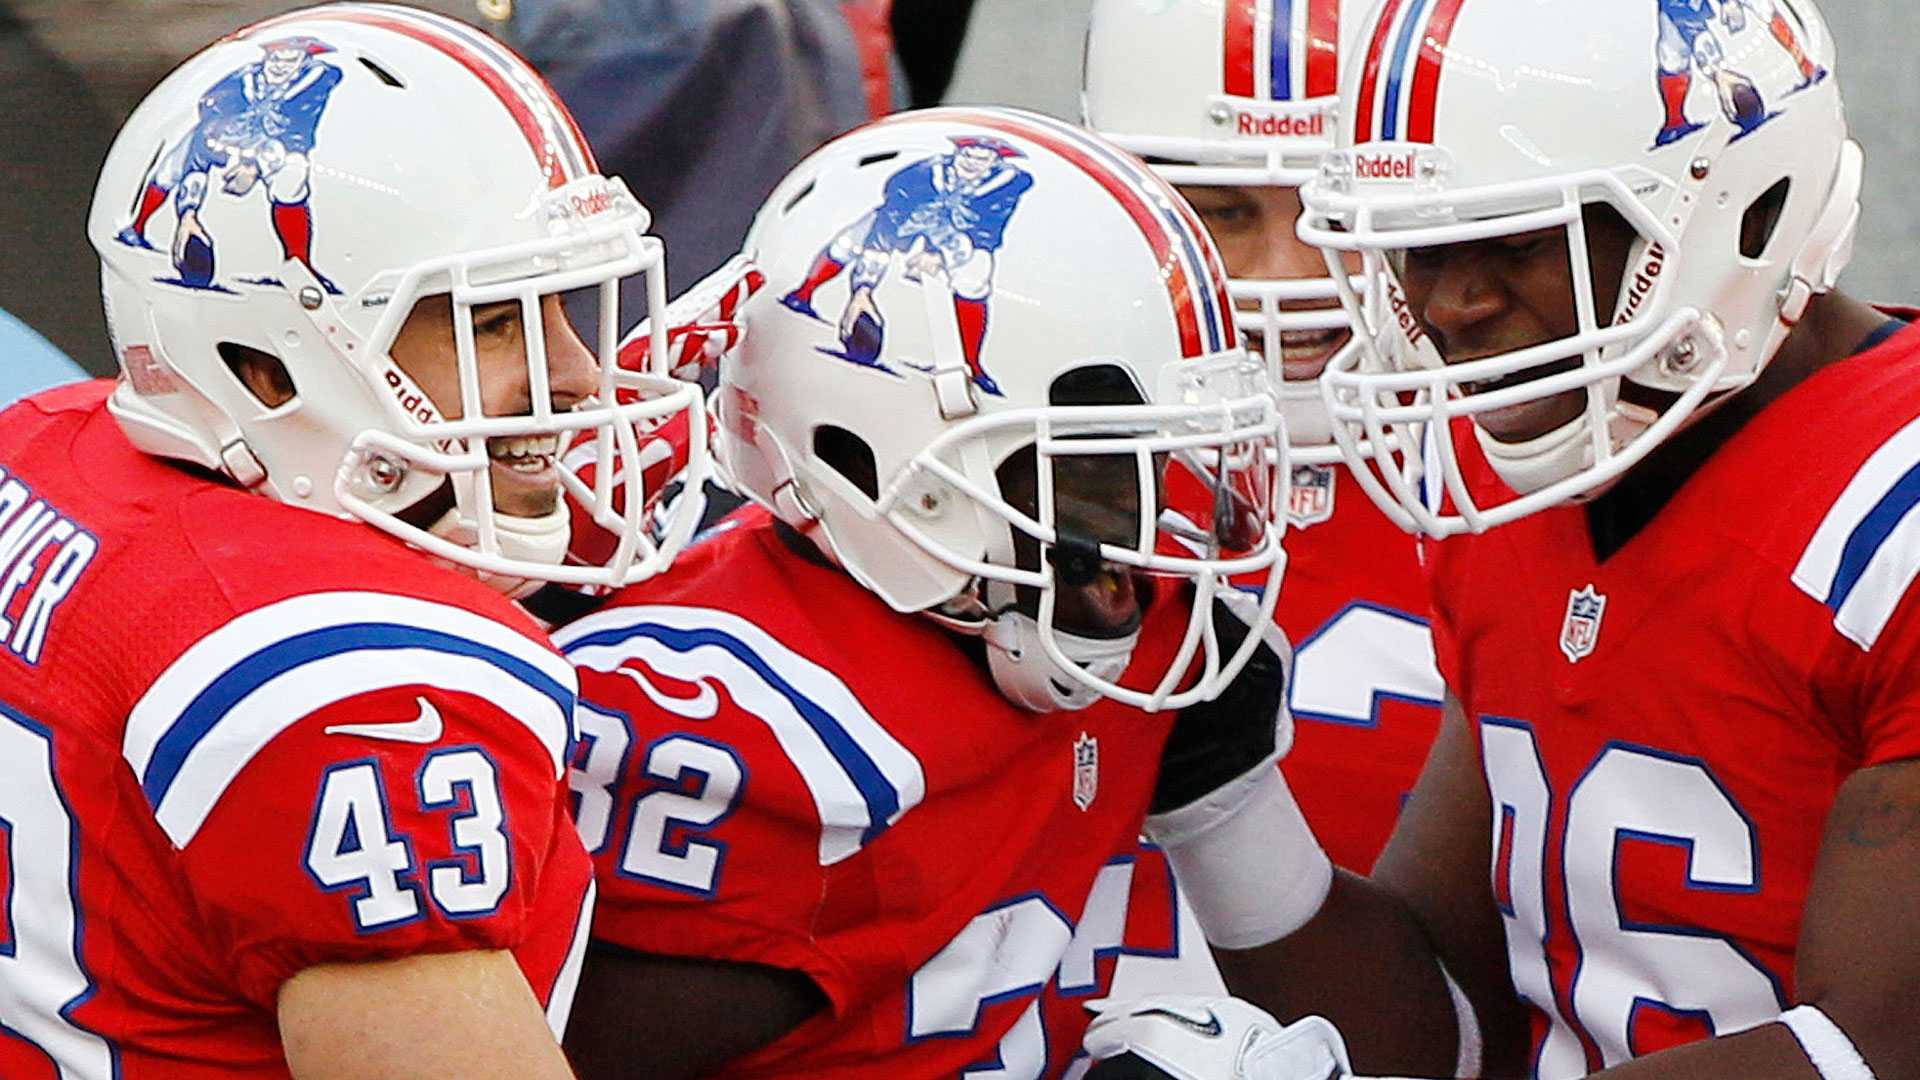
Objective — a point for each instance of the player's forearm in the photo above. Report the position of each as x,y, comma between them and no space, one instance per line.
1768,1052
1363,963
470,1012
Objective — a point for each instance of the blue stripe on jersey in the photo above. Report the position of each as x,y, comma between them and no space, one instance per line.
1280,88
878,792
207,708
1390,111
1865,540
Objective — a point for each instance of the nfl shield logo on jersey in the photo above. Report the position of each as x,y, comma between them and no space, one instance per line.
1086,770
1310,496
1582,627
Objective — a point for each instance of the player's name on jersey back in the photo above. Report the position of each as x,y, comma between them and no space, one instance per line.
42,555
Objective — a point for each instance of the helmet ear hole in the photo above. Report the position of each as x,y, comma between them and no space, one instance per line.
1096,384
850,456
1762,219
262,373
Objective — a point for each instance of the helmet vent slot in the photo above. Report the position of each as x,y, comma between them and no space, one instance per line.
875,159
849,455
1762,218
383,74
798,196
261,373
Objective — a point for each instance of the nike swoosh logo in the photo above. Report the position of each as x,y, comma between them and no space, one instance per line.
1212,1029
425,728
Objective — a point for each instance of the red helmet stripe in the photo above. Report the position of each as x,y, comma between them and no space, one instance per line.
533,84
1426,74
1370,78
1215,311
1323,48
1239,47
1212,255
1180,288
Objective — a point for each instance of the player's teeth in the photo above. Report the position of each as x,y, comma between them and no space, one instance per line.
543,446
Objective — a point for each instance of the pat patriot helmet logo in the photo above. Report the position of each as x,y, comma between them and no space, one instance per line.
944,216
1700,36
254,131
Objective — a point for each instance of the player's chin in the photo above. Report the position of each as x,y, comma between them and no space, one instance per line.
1304,353
1109,606
1530,420
524,492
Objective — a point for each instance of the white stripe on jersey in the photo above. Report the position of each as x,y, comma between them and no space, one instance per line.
560,998
731,648
231,692
1866,552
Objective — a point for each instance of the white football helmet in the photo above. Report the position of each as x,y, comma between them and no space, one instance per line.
1692,123
1240,93
949,289
293,190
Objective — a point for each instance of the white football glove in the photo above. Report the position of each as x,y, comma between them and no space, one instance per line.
1196,1037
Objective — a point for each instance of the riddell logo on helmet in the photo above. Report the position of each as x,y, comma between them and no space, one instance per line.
1646,277
1383,166
410,398
1251,123
1403,315
597,202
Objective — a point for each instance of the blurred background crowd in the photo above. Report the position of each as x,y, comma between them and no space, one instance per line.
702,105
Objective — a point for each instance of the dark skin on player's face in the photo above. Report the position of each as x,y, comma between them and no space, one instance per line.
525,481
1487,297
1253,226
1096,497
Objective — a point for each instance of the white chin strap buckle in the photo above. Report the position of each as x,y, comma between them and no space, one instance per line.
1027,674
523,545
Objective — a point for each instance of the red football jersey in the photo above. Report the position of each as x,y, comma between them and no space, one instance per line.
238,739
777,768
1365,695
1663,731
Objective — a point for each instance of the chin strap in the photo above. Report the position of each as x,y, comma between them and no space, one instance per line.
1027,674
541,540
1829,248
1022,669
1529,466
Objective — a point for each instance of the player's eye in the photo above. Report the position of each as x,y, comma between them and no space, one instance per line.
1228,217
497,321
1525,244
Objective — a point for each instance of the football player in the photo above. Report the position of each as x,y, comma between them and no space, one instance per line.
1667,829
281,761
864,777
1238,115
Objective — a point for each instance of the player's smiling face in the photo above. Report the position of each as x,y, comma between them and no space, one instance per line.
1096,498
1490,297
525,479
1253,226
